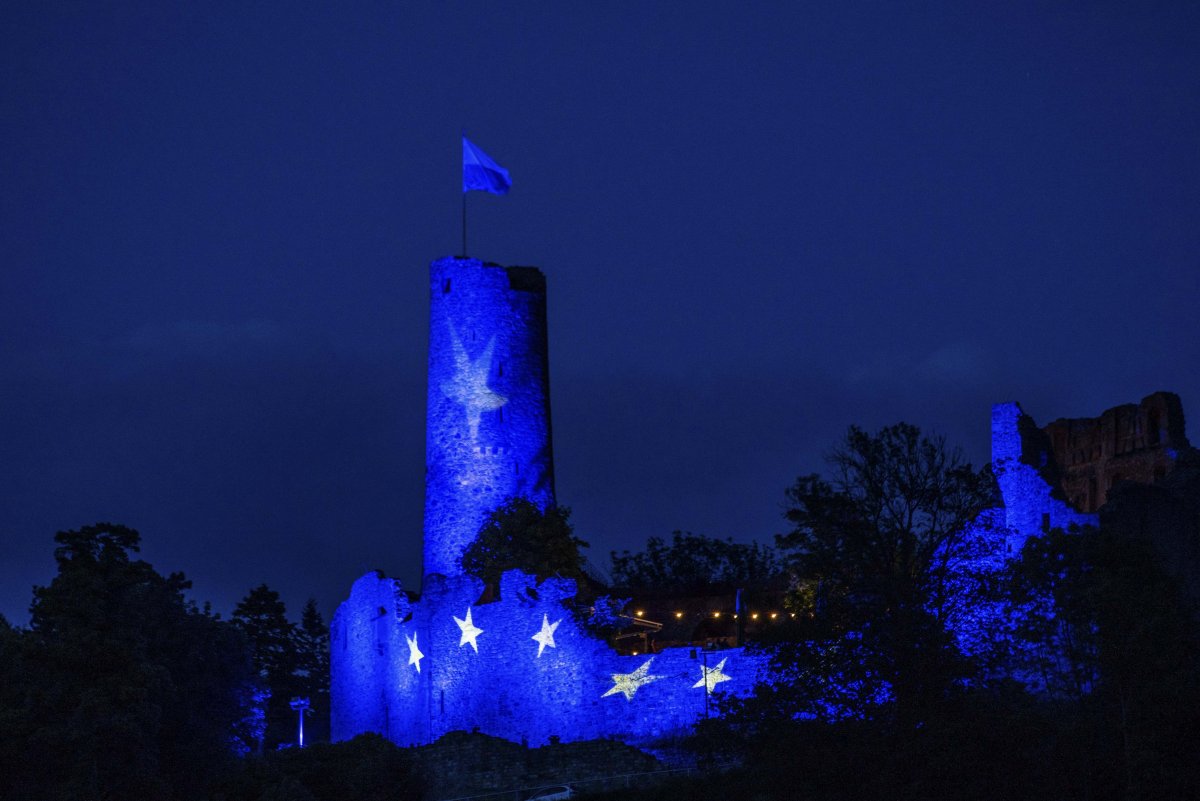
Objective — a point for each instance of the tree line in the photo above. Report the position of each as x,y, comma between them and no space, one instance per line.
925,662
918,659
121,688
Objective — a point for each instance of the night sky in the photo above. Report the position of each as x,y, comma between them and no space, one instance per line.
758,227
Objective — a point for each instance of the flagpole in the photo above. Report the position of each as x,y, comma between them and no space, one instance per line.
464,210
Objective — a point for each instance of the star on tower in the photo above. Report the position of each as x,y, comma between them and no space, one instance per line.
711,677
628,683
469,631
414,654
468,386
546,635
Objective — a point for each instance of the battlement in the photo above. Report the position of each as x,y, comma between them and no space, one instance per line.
522,667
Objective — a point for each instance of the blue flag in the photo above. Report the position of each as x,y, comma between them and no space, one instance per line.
481,173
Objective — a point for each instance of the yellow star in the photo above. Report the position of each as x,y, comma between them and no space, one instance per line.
469,631
546,635
628,683
414,654
711,677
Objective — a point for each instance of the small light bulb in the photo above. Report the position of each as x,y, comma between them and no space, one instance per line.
679,614
640,612
754,616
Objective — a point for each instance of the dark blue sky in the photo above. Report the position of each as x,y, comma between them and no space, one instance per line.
757,227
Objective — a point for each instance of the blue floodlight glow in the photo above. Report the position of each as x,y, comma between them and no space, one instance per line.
533,673
487,425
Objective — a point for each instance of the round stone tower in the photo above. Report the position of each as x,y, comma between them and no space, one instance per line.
487,423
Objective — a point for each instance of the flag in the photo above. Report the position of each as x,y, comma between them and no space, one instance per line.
481,173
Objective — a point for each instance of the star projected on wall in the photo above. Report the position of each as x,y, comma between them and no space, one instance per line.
469,631
468,387
628,683
414,653
711,677
546,635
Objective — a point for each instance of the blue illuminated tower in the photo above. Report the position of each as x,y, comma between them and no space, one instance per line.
520,663
487,427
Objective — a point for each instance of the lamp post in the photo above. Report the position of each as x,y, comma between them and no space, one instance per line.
301,706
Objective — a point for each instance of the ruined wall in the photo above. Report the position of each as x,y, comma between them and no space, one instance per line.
1133,442
367,692
1028,477
521,667
487,427
1061,474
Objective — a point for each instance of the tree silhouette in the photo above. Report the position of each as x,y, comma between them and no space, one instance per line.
866,553
520,535
693,563
121,688
262,617
312,647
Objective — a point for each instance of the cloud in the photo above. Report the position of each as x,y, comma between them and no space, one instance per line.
953,363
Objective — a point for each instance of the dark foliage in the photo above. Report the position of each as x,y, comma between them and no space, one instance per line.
520,535
993,744
1131,732
262,617
367,768
121,688
292,662
312,651
1118,721
866,556
1133,646
693,564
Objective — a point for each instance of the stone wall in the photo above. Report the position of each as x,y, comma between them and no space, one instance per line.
487,427
519,666
1060,475
524,668
1133,442
1027,474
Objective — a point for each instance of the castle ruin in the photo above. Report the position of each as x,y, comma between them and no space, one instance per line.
1060,475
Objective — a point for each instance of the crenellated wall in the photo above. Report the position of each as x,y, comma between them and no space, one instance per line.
523,668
